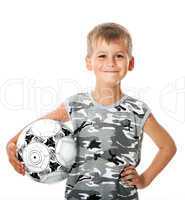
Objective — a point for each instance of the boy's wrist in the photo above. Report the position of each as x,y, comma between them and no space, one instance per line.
146,179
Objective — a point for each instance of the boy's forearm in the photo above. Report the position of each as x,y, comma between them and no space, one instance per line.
161,159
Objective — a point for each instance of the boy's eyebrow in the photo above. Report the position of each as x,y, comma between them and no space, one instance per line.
101,52
120,51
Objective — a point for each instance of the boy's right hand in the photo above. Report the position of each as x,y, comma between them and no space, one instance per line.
11,151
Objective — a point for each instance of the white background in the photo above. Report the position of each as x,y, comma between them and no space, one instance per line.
42,50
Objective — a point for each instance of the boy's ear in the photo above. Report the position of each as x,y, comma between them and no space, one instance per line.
88,63
131,64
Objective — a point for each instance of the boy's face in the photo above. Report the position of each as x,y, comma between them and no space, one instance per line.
110,62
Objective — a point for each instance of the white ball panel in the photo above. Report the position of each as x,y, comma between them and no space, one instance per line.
36,157
46,127
66,151
21,138
54,177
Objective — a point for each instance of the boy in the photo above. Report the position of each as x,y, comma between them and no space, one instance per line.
108,125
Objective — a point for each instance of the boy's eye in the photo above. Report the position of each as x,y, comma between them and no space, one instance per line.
117,56
120,56
102,56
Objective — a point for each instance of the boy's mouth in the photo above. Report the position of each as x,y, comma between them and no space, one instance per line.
110,71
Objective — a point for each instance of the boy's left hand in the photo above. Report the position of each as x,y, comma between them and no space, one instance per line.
130,176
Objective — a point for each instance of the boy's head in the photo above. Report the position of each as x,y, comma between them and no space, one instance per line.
109,32
109,52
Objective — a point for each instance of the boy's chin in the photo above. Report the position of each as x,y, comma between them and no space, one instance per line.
110,83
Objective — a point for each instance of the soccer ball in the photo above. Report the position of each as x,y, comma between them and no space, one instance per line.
47,149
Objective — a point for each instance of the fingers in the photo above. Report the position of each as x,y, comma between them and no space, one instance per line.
129,171
129,167
11,151
131,183
129,175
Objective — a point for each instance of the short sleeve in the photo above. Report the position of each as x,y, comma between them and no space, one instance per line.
146,113
68,104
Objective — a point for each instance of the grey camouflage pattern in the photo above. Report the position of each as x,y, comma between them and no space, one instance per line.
108,139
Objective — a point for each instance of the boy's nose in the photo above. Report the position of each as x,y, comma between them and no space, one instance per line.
111,62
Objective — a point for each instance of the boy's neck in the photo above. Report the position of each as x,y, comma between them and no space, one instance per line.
107,95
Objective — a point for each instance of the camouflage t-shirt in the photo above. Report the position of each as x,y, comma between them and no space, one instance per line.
108,138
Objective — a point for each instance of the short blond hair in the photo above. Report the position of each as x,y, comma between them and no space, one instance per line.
109,32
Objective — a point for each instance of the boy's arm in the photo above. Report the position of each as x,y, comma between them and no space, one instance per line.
164,142
59,113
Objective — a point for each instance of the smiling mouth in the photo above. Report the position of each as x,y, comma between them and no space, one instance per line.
111,71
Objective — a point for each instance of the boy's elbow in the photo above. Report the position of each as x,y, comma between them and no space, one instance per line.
172,148
175,148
